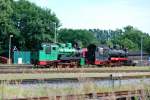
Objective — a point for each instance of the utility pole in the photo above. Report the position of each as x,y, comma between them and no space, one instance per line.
55,34
10,47
141,50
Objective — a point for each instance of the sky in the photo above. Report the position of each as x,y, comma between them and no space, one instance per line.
102,14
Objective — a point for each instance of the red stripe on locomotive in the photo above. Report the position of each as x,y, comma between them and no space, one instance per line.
118,59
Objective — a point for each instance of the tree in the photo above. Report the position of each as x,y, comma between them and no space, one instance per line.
35,25
131,38
84,37
6,24
127,43
30,25
133,34
103,36
128,37
146,42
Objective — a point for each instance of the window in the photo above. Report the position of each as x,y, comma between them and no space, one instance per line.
48,50
54,48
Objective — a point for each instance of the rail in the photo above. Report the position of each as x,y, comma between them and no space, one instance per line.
98,96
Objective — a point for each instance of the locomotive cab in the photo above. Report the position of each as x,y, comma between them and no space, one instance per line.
97,55
47,54
102,54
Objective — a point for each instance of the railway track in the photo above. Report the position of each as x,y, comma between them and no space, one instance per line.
5,66
95,96
76,76
72,70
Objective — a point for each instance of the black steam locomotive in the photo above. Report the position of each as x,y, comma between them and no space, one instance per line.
106,56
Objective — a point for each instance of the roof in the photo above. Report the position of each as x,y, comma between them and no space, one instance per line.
137,53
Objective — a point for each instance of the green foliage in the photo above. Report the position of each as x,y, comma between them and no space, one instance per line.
30,24
128,37
6,24
146,43
109,43
103,36
129,44
135,36
83,37
35,25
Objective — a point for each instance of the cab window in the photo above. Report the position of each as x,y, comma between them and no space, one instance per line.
54,48
48,50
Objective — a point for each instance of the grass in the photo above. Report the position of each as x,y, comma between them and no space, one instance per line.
17,91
